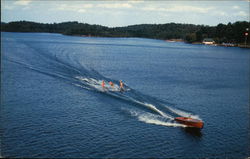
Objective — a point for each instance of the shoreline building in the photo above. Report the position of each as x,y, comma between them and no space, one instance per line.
208,41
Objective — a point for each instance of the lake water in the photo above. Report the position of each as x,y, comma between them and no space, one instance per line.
52,103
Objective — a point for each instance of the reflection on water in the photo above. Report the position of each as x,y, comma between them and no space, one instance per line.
193,131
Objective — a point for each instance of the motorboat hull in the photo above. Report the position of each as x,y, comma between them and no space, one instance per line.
190,122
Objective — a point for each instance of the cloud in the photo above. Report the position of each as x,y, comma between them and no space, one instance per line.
22,2
135,1
7,7
241,13
81,10
190,9
236,7
85,7
115,5
76,8
179,9
153,9
220,13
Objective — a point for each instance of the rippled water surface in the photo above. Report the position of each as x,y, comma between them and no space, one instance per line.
53,105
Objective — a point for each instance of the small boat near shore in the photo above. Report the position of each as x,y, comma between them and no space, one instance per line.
190,122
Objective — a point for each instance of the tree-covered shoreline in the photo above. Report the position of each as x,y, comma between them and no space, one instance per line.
222,33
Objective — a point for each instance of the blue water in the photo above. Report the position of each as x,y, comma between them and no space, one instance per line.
52,104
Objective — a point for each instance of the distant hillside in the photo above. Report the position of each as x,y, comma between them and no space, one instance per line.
230,33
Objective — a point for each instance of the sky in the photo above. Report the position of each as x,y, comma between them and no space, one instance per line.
114,13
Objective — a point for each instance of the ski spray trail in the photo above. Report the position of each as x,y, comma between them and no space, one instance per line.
91,80
182,113
150,118
152,107
96,84
158,117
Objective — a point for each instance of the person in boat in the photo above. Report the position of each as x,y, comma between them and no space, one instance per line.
103,84
111,84
121,86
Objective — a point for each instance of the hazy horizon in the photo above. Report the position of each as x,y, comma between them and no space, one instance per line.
126,13
119,26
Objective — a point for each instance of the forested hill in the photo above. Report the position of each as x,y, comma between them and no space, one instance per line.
159,31
231,32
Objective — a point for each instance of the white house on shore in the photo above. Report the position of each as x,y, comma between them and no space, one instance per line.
208,41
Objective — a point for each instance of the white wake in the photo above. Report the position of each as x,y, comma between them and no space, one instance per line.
161,118
97,84
182,113
150,118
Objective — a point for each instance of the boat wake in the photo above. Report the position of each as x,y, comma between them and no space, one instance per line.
68,68
157,113
150,118
96,84
184,113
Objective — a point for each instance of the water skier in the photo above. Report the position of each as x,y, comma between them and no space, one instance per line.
121,86
111,84
103,84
